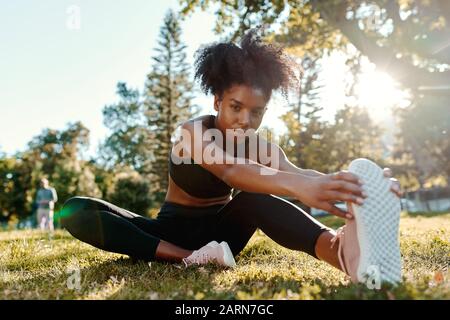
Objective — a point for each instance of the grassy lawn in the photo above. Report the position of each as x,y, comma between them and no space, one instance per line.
36,266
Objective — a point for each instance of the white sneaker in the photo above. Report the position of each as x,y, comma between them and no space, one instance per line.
377,226
219,253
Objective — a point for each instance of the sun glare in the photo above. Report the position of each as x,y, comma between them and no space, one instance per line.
378,92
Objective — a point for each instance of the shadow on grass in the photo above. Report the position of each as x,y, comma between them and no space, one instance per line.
124,278
121,278
316,289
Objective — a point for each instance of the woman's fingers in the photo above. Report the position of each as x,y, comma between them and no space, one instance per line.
337,212
346,176
395,187
343,196
347,187
395,184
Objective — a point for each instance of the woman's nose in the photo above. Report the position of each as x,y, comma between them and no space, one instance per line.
244,120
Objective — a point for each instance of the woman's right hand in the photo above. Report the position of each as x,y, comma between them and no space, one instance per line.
322,192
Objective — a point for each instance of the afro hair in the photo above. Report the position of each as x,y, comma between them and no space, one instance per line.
218,66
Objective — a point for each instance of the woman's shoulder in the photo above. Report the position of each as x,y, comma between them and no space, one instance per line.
206,121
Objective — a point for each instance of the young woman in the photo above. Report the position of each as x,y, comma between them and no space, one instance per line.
200,222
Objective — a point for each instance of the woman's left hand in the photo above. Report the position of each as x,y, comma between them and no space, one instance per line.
395,185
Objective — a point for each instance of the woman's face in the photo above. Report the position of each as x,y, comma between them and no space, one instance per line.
240,107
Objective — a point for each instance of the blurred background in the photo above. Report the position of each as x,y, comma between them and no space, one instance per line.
90,92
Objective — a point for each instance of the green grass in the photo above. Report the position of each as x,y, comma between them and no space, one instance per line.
36,266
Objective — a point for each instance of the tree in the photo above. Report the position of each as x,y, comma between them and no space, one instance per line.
355,136
168,96
132,192
58,157
103,177
301,118
423,140
315,144
408,39
53,154
130,141
404,37
8,195
330,147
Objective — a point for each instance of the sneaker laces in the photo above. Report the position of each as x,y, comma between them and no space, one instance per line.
339,235
197,257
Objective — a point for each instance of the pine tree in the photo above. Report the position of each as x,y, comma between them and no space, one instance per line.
168,99
301,119
129,143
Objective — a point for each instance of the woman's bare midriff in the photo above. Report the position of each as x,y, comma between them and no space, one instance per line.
177,195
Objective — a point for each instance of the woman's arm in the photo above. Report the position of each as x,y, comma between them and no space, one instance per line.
282,163
319,191
287,166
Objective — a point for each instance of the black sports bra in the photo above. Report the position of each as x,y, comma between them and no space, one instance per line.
195,180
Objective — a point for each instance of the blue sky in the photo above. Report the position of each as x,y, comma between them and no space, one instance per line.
52,74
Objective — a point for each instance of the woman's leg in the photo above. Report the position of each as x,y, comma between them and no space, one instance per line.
282,221
114,229
326,250
167,251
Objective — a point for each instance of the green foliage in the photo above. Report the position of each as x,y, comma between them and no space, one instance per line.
10,197
405,38
424,138
130,141
356,136
327,147
304,141
131,192
53,154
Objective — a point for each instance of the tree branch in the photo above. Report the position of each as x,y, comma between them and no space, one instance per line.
383,57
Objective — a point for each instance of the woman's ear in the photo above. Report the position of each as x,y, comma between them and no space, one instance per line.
217,102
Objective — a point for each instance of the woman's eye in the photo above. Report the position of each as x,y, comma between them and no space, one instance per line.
236,108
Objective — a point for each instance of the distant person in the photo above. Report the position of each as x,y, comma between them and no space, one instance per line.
45,199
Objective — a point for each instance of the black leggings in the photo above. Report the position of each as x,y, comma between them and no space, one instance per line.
114,229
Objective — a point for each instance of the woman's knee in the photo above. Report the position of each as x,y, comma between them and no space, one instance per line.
253,204
257,205
73,211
